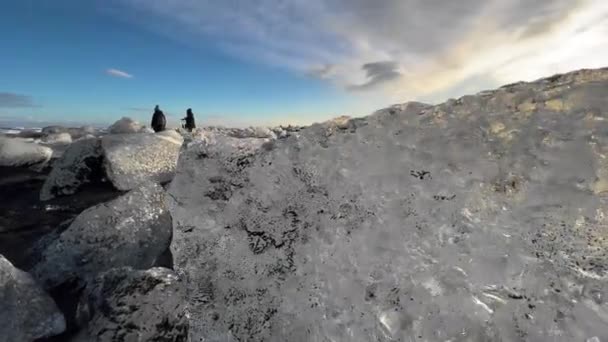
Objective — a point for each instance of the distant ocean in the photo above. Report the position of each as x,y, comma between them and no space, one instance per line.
17,130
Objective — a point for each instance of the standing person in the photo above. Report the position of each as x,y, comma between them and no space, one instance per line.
159,122
190,125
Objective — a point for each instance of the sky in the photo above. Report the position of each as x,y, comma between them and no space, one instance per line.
266,62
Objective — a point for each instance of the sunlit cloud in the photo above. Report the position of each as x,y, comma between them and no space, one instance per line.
118,73
396,49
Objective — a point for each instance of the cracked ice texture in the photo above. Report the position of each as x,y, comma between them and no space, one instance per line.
480,219
133,159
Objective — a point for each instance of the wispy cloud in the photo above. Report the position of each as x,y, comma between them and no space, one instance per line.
118,73
404,49
138,109
12,100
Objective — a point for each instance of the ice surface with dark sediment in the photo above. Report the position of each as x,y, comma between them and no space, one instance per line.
480,219
126,304
81,163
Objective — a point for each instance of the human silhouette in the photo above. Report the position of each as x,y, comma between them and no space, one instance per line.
159,122
190,124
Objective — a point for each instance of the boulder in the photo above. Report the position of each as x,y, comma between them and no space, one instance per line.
133,159
17,152
81,163
54,130
57,138
30,134
124,126
341,122
130,305
251,132
280,133
132,230
79,132
470,220
291,129
27,313
74,132
263,132
86,136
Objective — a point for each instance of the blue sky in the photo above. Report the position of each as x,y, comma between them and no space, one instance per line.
58,54
243,62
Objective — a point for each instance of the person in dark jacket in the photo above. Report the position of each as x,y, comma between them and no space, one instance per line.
159,122
190,125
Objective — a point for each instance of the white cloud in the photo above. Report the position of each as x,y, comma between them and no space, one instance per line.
397,49
118,73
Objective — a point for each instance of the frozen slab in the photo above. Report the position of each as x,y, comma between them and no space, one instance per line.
131,305
57,138
125,126
132,230
131,159
19,152
74,132
80,164
27,313
481,219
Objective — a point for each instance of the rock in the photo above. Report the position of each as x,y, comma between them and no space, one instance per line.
263,132
340,122
133,159
57,138
54,130
79,132
252,132
27,312
30,133
292,129
74,132
132,230
87,136
17,152
242,133
81,163
124,126
418,222
129,305
282,134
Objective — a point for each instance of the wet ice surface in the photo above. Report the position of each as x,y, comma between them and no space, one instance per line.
79,165
132,159
132,230
27,311
481,219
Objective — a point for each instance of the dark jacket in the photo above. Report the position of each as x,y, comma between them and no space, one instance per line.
190,124
159,122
